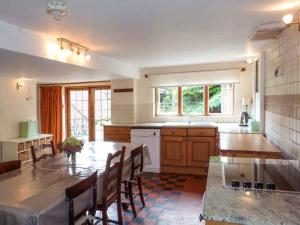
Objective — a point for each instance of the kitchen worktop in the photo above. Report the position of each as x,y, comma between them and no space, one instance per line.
222,127
167,124
248,208
248,145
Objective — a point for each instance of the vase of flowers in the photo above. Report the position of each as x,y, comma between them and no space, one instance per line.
71,146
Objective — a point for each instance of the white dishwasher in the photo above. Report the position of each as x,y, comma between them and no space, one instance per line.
151,138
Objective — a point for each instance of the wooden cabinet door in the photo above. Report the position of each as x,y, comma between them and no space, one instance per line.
173,151
199,150
117,138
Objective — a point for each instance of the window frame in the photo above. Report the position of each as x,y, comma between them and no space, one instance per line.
156,90
91,106
180,103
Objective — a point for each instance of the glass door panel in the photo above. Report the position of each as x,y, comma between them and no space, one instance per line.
79,114
102,112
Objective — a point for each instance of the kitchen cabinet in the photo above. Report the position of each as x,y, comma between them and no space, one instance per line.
183,150
117,134
173,150
199,149
187,151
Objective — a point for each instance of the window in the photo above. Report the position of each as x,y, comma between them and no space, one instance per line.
79,114
221,99
195,100
88,109
102,112
167,101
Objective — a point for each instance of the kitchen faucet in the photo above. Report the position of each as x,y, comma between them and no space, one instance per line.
188,117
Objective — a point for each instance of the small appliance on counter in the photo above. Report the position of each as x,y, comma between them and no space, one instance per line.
244,116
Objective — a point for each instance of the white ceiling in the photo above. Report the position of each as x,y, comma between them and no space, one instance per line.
17,65
151,33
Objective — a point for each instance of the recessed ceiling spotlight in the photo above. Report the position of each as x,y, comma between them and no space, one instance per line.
288,19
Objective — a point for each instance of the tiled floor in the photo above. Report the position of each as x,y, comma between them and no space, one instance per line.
170,200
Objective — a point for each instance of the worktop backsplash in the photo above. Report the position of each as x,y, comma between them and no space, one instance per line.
282,92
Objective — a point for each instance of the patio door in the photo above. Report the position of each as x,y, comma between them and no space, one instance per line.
87,110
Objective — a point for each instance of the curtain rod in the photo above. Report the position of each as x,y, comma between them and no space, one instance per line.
242,69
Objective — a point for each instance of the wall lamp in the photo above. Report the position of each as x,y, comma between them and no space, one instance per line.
70,48
20,84
289,19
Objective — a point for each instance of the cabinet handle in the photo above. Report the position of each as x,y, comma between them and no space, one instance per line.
183,139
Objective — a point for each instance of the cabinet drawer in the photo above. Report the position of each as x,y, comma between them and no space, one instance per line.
117,130
117,137
173,132
202,132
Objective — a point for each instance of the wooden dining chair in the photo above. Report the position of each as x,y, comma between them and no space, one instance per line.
9,166
137,166
77,190
111,189
40,149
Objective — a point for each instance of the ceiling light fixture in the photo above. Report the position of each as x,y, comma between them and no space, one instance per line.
249,60
57,9
289,19
70,48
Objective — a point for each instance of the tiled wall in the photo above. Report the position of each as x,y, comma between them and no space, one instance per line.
282,92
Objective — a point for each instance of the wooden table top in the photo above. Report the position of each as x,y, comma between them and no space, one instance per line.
249,145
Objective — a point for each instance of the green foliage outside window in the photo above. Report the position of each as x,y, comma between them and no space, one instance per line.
168,100
215,99
192,100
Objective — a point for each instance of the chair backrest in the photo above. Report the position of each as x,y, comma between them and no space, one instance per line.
78,189
40,149
112,178
9,166
137,161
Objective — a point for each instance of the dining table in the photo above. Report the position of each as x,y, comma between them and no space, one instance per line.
35,193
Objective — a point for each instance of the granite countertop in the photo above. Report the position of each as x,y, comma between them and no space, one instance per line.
252,208
222,127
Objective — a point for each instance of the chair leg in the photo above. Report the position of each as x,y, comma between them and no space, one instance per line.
104,216
119,208
131,198
126,189
141,191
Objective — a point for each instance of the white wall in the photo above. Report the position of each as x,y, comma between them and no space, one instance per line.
138,106
144,92
15,107
122,104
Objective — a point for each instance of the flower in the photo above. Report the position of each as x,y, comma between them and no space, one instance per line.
71,145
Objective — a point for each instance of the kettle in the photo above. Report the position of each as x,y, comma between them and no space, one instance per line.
244,118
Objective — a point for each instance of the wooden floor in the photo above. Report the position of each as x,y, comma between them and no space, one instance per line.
170,200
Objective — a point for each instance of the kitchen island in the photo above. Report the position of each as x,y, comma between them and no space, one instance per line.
248,207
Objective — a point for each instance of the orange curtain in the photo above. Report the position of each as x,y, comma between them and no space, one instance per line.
51,112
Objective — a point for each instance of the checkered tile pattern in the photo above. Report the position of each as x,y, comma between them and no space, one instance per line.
163,194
